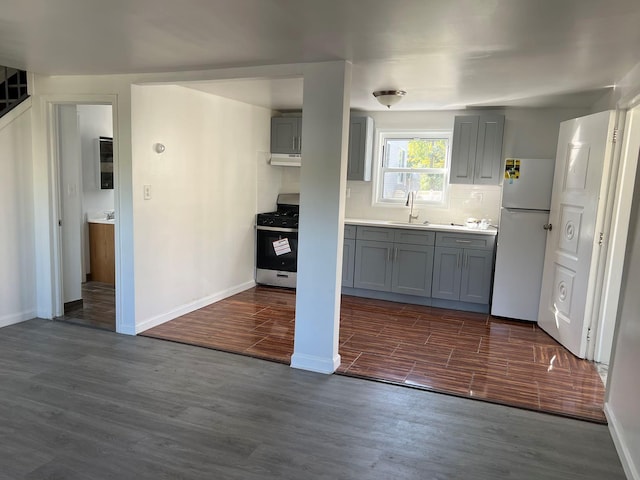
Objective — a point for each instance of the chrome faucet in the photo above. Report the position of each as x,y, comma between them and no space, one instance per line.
410,199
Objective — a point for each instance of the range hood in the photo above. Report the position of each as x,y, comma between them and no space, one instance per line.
286,159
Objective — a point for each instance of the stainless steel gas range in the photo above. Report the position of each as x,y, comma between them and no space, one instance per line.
277,243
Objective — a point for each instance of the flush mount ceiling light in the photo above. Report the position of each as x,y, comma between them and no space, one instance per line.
389,97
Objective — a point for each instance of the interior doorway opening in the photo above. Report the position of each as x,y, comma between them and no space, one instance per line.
82,149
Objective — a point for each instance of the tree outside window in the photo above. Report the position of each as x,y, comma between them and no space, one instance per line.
415,162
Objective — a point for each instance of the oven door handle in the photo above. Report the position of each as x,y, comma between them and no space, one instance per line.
277,229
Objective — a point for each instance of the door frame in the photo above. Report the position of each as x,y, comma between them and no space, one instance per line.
50,104
616,233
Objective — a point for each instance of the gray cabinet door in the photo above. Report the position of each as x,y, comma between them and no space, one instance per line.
412,269
463,152
348,262
476,155
360,148
373,265
285,134
477,266
447,273
488,167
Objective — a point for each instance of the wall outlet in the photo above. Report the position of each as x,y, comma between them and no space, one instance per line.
147,192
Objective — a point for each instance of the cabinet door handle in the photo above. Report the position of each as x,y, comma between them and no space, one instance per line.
458,260
395,254
463,241
388,254
293,143
465,263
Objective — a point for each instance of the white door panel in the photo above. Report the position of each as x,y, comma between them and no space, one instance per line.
582,166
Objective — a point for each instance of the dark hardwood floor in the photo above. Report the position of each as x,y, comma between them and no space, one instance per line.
466,354
83,403
98,307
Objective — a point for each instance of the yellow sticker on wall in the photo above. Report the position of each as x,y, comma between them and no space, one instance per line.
512,169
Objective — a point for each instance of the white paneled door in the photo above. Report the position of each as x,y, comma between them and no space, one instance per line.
572,249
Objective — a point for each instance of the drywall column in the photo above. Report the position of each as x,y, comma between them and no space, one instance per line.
325,121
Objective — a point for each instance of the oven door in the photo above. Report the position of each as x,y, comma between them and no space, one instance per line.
267,257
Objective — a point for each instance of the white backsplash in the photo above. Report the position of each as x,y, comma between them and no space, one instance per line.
465,201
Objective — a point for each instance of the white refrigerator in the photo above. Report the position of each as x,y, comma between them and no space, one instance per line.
526,199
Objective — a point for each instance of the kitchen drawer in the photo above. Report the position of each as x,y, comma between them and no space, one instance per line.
465,240
376,234
349,231
414,237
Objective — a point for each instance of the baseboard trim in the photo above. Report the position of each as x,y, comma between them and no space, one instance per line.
620,443
190,307
14,318
316,364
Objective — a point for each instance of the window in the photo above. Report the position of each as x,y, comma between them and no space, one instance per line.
416,161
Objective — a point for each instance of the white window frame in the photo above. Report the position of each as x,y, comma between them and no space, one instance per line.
380,169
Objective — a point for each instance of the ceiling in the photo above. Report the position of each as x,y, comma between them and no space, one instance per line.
447,54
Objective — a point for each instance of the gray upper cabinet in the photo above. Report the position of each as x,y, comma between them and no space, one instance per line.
360,148
463,151
476,155
394,260
463,267
286,134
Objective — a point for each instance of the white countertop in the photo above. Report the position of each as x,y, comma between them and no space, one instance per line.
102,220
433,227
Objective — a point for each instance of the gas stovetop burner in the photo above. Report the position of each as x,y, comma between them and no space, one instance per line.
285,217
277,219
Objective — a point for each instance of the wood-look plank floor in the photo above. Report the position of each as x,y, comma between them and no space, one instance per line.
82,403
460,353
98,307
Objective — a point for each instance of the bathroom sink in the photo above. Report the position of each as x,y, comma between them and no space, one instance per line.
102,220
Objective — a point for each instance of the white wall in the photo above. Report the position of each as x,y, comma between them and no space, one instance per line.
622,404
529,133
17,242
623,394
115,90
94,121
195,237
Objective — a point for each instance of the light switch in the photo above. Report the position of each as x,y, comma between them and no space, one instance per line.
147,192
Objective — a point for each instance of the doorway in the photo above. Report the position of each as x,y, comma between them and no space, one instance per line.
83,154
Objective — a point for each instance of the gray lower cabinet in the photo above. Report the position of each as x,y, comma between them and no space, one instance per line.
477,268
463,273
394,260
447,273
412,267
373,265
348,261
